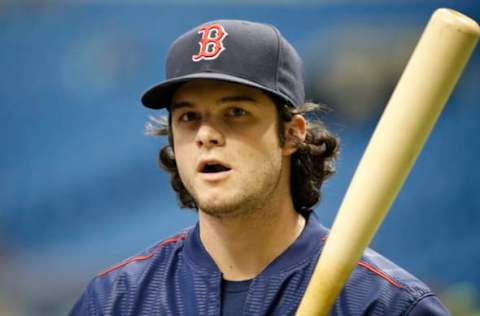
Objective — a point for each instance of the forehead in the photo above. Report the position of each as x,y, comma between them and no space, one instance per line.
215,90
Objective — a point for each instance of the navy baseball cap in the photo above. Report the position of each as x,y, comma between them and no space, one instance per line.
248,53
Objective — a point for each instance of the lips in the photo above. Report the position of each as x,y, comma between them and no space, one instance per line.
211,166
214,168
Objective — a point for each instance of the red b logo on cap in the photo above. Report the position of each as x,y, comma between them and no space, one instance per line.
211,44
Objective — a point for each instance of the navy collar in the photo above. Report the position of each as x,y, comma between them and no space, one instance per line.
303,249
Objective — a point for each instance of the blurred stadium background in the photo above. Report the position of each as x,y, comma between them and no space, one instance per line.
80,188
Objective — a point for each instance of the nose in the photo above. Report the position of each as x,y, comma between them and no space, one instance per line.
209,136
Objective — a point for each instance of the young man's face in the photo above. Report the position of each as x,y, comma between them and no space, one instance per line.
227,147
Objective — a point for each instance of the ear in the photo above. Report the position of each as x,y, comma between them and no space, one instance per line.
295,132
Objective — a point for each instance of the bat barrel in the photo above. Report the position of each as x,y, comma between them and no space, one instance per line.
421,93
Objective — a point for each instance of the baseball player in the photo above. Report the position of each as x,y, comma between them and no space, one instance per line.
243,155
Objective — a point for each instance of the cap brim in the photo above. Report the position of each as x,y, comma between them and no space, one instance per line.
159,96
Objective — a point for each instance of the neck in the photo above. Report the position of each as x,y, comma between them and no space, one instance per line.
242,247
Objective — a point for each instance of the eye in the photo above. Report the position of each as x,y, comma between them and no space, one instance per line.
236,112
189,117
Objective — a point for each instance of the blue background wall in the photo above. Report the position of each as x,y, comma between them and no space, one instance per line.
80,188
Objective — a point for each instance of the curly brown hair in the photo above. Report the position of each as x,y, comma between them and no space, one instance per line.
311,164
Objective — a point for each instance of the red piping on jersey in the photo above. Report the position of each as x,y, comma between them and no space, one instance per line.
380,273
141,258
181,237
374,270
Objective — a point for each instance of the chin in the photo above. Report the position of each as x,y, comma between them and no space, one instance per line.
221,208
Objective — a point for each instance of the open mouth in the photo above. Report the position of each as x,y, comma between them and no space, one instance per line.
214,168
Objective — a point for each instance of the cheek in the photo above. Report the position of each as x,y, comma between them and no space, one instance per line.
261,151
270,142
184,160
182,148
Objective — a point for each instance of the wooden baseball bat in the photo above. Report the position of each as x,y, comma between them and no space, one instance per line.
420,95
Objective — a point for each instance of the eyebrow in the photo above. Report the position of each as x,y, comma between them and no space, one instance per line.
238,98
233,98
180,104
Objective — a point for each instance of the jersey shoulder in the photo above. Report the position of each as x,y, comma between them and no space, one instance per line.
107,288
142,260
391,274
390,289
